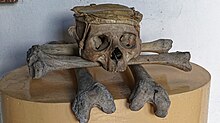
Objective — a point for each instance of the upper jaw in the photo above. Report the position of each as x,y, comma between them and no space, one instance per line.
118,66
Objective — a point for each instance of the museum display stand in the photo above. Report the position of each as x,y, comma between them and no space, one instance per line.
48,100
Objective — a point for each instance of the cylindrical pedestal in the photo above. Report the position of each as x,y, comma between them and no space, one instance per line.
48,100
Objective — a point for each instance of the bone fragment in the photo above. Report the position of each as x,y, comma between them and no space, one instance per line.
158,46
40,63
148,91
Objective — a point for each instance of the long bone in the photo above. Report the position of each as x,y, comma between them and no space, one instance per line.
158,46
40,62
90,93
45,58
148,91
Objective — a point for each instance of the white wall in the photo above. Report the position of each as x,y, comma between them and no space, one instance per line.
192,24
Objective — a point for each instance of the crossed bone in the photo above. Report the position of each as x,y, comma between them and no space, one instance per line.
45,58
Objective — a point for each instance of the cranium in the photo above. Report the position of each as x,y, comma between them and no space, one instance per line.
108,36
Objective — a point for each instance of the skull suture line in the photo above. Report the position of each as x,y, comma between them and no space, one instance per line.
112,42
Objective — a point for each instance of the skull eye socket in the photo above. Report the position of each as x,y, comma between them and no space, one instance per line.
128,40
100,42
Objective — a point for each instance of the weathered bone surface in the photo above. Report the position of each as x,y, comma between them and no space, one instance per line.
40,62
108,35
148,91
158,46
60,49
113,49
90,93
179,60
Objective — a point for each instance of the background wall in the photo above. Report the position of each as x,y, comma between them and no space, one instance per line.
193,25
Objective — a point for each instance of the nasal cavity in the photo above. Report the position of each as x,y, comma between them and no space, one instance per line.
116,54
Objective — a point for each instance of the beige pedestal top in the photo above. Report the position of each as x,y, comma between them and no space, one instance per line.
47,100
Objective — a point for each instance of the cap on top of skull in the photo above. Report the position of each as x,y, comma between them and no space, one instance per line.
107,13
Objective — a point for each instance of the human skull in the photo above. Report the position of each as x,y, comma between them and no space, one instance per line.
108,34
112,45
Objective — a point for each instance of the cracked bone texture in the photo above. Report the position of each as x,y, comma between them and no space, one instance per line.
72,49
41,62
148,91
114,43
90,94
108,34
